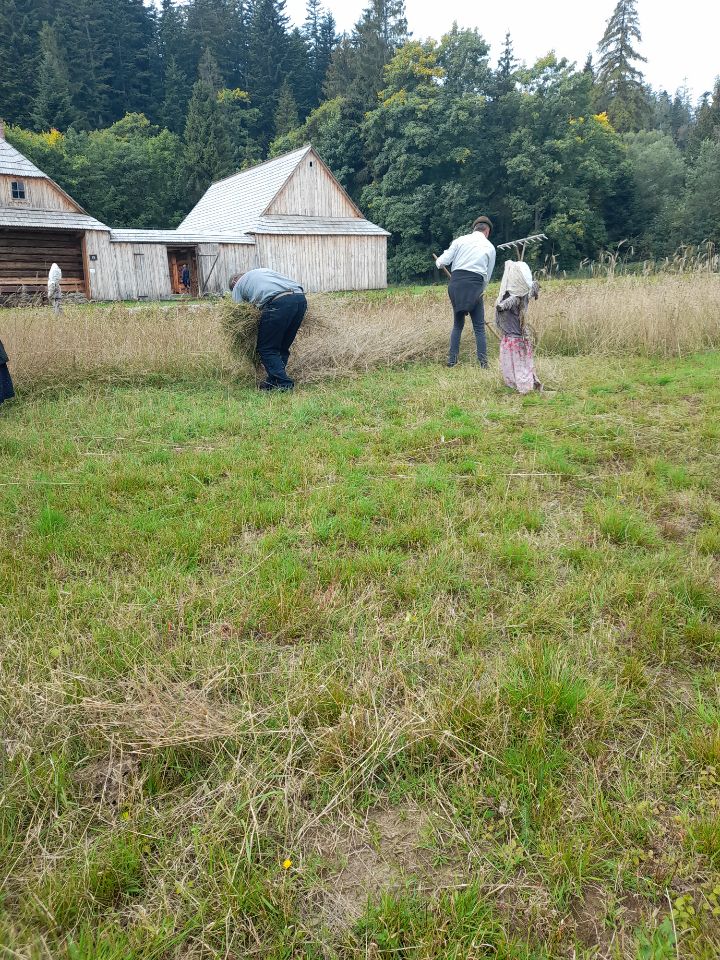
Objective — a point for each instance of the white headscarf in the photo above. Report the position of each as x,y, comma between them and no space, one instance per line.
517,280
54,278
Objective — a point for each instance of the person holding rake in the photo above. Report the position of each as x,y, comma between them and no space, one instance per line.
472,261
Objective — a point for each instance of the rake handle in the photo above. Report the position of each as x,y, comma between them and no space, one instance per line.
442,268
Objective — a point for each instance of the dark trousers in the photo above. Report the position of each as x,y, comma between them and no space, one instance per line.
477,316
280,321
6,385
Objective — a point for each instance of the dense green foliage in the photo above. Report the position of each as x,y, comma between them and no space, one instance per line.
423,135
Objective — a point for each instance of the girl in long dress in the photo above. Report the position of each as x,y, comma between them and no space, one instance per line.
6,385
517,361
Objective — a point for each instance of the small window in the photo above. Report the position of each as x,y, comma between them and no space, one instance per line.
311,163
17,189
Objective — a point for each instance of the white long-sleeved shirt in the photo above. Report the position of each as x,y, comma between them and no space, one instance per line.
472,252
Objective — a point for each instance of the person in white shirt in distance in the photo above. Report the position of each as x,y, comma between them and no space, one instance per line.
471,260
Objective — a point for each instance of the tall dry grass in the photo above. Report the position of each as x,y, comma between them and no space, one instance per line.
664,316
667,315
341,335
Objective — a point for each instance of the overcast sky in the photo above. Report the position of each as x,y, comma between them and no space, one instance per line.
680,40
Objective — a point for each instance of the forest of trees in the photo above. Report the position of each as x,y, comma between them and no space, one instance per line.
135,108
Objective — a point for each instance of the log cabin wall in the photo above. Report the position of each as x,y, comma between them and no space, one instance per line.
27,255
312,192
324,263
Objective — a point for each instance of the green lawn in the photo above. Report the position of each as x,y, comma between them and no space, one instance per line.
400,667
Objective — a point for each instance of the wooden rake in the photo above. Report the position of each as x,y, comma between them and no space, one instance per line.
519,246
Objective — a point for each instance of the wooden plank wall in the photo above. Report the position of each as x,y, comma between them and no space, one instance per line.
40,195
232,258
118,274
101,272
325,263
27,255
312,192
142,271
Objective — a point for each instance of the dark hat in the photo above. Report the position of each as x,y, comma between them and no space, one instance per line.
483,222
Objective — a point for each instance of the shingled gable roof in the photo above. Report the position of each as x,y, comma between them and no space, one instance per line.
236,207
15,164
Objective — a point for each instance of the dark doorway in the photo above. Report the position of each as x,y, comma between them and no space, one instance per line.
178,257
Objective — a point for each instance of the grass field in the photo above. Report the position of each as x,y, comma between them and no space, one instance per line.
399,666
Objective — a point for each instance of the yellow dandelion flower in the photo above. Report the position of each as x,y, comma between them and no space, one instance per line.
287,864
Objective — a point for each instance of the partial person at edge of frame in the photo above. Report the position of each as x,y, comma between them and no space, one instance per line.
283,306
471,259
7,391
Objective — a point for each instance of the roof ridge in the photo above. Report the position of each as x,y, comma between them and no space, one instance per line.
263,163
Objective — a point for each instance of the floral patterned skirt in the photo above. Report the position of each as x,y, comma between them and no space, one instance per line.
517,364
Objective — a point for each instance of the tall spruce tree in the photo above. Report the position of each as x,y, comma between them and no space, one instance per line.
320,34
171,37
286,113
208,153
507,65
707,125
269,61
20,55
298,72
136,72
240,46
82,27
173,113
356,70
53,106
327,42
212,25
620,81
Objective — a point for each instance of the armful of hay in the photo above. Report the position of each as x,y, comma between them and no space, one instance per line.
239,322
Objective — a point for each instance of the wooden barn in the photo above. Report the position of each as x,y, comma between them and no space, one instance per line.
289,214
300,221
40,224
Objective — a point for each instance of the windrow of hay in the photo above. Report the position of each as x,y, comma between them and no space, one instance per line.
665,315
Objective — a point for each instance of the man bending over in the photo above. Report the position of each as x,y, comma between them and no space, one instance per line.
282,306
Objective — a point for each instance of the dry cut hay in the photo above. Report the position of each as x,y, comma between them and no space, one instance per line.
341,335
666,315
239,323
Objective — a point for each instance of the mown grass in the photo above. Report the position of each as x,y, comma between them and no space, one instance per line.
403,666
